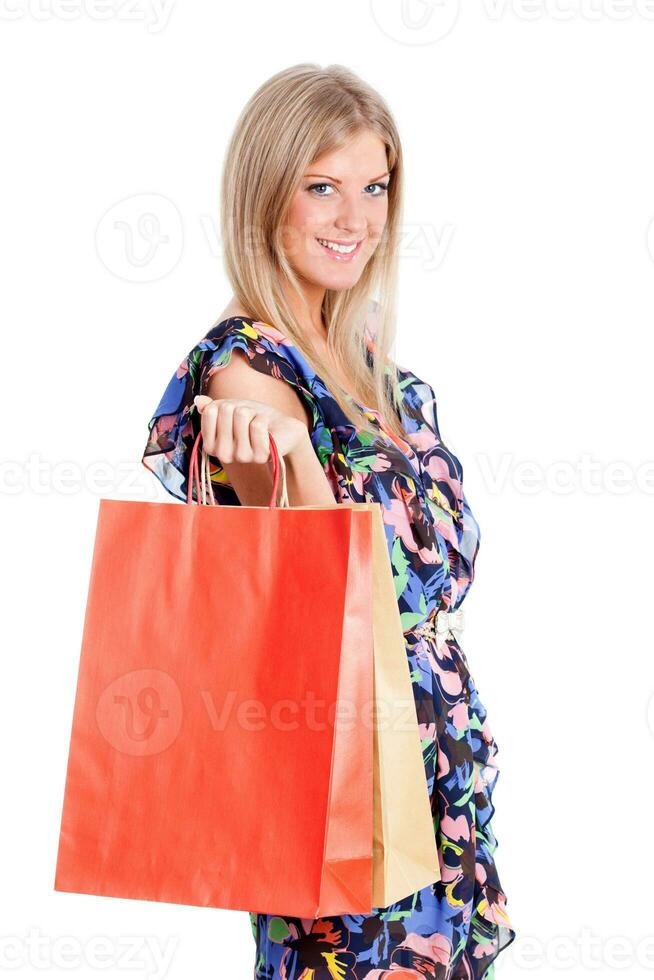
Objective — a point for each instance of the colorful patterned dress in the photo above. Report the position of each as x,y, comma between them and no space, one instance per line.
456,927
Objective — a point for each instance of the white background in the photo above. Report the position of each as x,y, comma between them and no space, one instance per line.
526,301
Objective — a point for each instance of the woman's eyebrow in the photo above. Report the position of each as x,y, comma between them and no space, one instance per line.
337,181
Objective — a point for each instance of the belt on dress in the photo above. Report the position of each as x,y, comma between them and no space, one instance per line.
444,623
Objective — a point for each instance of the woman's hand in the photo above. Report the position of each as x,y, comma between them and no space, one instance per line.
235,430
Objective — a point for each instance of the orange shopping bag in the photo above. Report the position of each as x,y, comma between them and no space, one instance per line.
209,761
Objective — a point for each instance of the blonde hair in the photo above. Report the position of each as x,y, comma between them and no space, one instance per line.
293,118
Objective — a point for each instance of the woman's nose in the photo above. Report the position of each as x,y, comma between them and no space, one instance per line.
351,217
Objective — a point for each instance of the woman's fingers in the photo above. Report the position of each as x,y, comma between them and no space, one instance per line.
242,416
207,421
223,430
259,439
238,430
250,428
209,427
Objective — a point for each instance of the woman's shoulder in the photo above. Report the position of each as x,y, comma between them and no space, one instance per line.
174,423
254,336
249,327
266,348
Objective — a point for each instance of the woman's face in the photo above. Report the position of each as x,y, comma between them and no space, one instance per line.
337,214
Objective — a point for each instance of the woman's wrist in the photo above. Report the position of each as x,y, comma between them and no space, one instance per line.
306,478
301,452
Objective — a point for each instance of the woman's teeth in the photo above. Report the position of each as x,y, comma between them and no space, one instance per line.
343,249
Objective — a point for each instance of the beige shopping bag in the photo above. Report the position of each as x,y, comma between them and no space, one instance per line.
405,855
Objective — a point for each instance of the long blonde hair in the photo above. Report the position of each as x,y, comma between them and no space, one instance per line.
292,119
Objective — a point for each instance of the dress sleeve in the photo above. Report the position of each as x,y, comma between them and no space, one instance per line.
175,423
419,401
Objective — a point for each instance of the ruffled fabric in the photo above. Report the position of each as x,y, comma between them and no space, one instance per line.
175,423
456,927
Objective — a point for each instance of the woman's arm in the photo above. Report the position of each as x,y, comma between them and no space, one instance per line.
242,406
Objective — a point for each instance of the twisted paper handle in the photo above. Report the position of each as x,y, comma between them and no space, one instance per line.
199,477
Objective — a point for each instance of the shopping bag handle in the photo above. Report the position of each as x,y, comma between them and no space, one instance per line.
203,483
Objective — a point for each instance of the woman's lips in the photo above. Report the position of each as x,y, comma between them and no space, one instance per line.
338,255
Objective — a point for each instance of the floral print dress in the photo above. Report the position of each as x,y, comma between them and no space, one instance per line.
456,927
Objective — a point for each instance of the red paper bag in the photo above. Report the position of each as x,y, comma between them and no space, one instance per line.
211,762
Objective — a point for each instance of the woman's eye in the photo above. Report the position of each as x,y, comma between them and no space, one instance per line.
381,189
326,190
317,188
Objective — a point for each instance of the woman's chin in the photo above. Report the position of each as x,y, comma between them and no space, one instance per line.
335,279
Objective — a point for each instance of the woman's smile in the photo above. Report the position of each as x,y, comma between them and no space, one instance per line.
342,251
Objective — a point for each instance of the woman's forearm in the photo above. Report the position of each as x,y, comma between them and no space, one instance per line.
306,480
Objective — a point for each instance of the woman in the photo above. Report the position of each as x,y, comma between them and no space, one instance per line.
310,215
